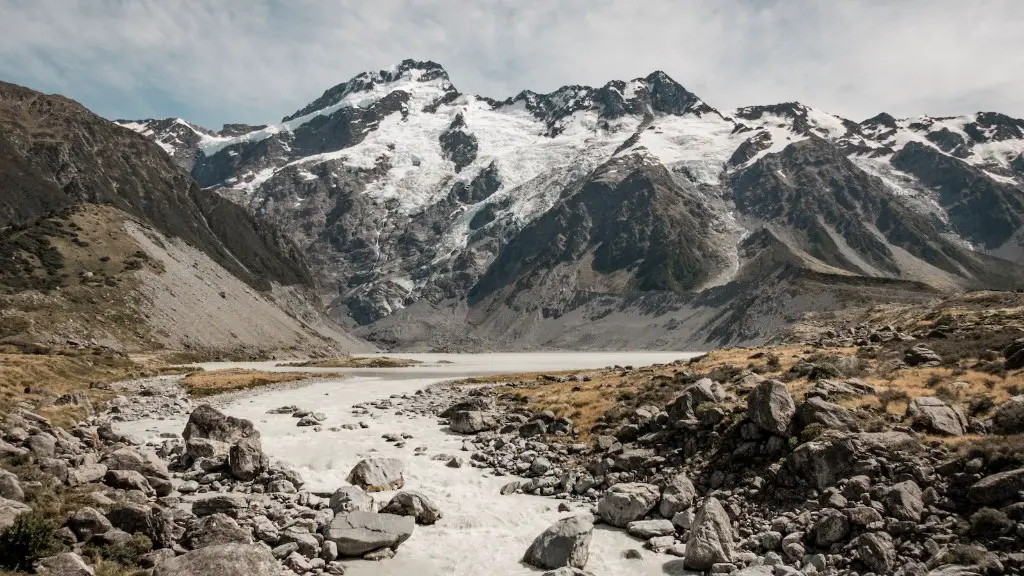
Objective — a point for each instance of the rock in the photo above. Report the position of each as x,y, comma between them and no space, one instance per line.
85,474
684,520
409,503
221,560
533,428
1009,417
329,551
351,499
931,414
903,501
876,551
87,522
144,462
565,543
997,487
685,405
307,544
9,511
357,533
196,448
10,488
151,559
216,529
247,460
624,503
378,474
831,527
677,496
228,504
510,488
128,480
823,462
307,421
710,539
379,554
41,445
567,571
646,529
921,356
472,422
207,422
64,564
771,407
816,410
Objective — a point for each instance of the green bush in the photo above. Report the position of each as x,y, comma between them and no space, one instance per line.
812,431
126,553
30,538
990,523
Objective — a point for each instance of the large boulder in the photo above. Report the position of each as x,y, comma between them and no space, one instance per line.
1014,355
997,487
921,356
931,414
831,527
10,488
351,499
771,407
1009,417
624,503
246,459
472,422
84,474
564,543
410,503
207,422
677,496
822,463
817,410
88,522
128,480
222,560
904,501
711,540
685,405
9,512
357,533
64,564
216,529
876,551
378,474
144,462
230,503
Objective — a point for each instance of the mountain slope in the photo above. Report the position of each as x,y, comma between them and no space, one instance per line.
424,210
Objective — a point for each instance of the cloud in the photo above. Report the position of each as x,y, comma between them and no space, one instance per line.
258,60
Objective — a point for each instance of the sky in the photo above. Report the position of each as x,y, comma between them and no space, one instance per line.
255,61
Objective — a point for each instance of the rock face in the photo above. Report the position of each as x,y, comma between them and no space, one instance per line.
565,543
1009,417
472,422
357,533
710,539
624,503
222,560
771,407
378,474
932,415
207,422
410,503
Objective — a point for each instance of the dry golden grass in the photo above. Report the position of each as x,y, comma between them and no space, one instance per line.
208,383
356,362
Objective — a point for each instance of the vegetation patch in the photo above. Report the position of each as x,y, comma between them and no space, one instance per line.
208,383
355,362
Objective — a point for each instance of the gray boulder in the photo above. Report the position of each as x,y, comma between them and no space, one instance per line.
221,560
9,512
685,405
567,571
931,414
229,503
817,410
646,529
88,522
144,462
876,551
246,459
410,503
357,533
565,543
84,474
196,448
624,503
64,564
677,496
921,356
831,527
997,487
378,474
216,529
472,422
207,422
771,407
128,480
711,540
904,501
10,488
1009,417
351,499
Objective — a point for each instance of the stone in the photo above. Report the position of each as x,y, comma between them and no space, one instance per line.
151,559
64,564
711,540
196,448
308,545
10,488
357,533
221,560
472,422
684,519
351,499
771,407
921,356
646,529
128,480
567,571
216,529
378,474
85,474
830,528
208,422
42,445
997,487
247,460
931,414
229,504
904,501
863,515
565,543
533,428
624,503
9,512
693,395
329,551
876,551
87,522
677,496
144,462
1009,416
410,503
817,410
822,463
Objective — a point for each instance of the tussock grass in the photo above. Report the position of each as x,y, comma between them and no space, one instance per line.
209,383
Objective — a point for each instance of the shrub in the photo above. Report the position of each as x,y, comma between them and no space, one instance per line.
893,395
824,370
773,362
812,431
980,404
935,380
30,538
946,394
126,553
990,523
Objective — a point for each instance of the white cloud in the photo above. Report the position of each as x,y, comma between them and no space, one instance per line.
258,60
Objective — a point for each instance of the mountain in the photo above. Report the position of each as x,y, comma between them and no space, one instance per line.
94,214
631,214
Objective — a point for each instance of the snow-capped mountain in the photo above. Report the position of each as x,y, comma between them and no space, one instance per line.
418,205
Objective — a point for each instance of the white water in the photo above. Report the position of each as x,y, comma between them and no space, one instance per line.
482,532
